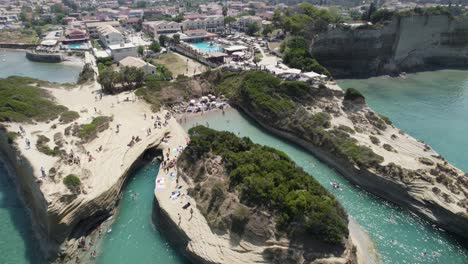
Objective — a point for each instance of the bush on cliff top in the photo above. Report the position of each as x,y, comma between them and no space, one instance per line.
268,179
72,182
352,94
20,101
90,131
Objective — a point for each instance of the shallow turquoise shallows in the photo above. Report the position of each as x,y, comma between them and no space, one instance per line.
431,106
134,238
17,245
13,62
206,46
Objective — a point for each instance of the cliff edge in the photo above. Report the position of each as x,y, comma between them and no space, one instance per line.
365,147
405,44
212,223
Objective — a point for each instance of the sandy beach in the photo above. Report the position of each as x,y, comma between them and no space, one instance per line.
104,161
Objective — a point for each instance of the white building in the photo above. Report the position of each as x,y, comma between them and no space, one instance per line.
122,50
244,21
161,27
92,26
138,63
109,35
213,24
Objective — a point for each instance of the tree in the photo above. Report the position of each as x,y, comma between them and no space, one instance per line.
72,182
141,4
179,18
162,40
257,58
267,30
140,50
228,20
252,28
225,11
108,79
176,38
367,15
155,47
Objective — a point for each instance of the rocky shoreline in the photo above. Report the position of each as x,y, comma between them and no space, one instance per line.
189,231
405,44
418,196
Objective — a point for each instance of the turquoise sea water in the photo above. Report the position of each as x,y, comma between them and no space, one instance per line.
399,236
13,62
134,238
206,46
433,108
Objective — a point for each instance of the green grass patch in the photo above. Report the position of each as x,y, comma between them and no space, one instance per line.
68,116
43,147
20,101
72,182
90,131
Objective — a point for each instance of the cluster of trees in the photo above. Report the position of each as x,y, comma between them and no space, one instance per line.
305,20
268,179
296,54
270,98
129,78
126,79
20,101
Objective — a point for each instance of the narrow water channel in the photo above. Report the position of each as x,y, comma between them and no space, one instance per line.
133,238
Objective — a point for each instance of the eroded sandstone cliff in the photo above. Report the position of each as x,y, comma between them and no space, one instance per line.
406,44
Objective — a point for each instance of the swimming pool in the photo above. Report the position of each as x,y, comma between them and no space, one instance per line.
206,46
78,46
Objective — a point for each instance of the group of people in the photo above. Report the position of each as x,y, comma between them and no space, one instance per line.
84,247
158,124
73,159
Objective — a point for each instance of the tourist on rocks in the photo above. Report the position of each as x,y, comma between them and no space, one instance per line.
43,173
28,143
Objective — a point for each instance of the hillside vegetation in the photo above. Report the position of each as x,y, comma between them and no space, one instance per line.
21,101
267,179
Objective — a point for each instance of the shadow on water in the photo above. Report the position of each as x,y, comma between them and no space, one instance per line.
22,238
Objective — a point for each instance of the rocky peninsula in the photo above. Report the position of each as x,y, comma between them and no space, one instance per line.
205,209
69,150
407,43
340,129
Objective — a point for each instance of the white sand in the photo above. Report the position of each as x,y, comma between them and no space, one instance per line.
112,162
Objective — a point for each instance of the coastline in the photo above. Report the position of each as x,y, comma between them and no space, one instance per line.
62,218
379,186
193,236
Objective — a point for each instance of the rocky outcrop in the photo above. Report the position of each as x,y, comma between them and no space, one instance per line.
59,222
395,167
406,44
200,235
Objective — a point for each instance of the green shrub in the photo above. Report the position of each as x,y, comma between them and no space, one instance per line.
296,55
86,74
386,119
11,137
268,179
240,218
374,140
346,129
41,145
68,117
20,101
72,182
90,131
352,94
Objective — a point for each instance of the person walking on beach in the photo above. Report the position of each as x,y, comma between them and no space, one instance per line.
43,173
28,143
